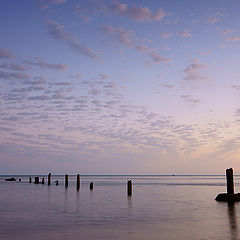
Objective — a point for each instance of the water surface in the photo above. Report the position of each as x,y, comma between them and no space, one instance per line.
161,207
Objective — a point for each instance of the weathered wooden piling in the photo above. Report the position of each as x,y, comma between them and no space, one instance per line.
91,185
78,181
49,179
129,188
36,180
43,180
230,185
229,196
30,180
66,180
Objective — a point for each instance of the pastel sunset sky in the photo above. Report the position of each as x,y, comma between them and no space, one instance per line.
119,87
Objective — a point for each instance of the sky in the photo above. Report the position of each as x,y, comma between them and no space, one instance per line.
119,86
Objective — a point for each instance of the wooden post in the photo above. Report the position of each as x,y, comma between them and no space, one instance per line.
129,188
56,182
91,186
49,179
36,180
43,180
66,180
78,181
30,180
230,185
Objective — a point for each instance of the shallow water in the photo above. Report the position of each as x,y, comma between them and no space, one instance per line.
161,207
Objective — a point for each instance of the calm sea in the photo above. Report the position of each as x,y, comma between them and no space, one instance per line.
161,207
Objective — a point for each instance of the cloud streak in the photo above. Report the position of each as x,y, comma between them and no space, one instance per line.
5,53
57,31
193,71
48,65
136,12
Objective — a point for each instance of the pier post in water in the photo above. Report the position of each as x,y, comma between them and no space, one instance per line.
36,180
49,179
43,180
229,196
78,181
129,188
230,185
66,180
30,180
91,186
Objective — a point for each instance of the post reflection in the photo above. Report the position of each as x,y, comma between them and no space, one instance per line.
232,220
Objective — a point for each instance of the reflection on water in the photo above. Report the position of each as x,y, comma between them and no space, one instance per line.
159,208
233,221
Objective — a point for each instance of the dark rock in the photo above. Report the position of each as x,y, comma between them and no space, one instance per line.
10,179
225,197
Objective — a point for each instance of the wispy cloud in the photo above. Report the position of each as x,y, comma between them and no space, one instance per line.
14,66
5,53
193,71
190,98
57,31
233,39
185,34
166,34
226,31
51,66
14,76
136,12
125,37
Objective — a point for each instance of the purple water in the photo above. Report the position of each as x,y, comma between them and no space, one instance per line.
161,207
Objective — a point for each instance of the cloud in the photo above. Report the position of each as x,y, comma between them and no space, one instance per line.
39,98
5,53
167,85
61,84
35,81
103,76
78,76
14,66
121,35
205,53
48,65
233,39
57,31
14,76
43,4
56,1
192,71
125,37
212,20
185,34
190,98
226,31
166,34
158,58
135,12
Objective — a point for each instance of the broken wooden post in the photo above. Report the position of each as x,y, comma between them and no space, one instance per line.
78,181
91,186
43,180
229,196
230,185
49,179
30,180
66,180
36,180
129,188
